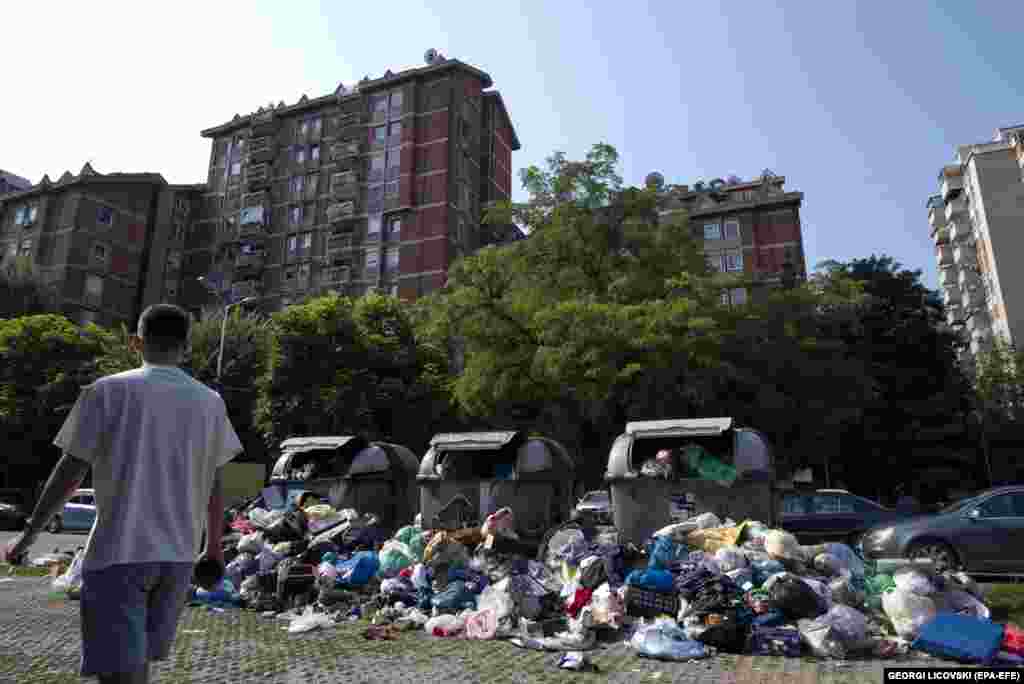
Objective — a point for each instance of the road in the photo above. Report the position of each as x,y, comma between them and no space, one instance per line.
67,541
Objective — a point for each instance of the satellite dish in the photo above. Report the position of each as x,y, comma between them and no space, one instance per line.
767,173
698,186
430,56
655,180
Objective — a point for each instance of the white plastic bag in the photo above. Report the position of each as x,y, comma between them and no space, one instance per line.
908,611
730,558
71,580
783,546
706,521
445,625
309,621
497,598
914,581
251,543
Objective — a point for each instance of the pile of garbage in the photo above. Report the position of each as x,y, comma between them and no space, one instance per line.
697,588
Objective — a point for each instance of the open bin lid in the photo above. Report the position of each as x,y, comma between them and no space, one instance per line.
296,452
691,427
493,441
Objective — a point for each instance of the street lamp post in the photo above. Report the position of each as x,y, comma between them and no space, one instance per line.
224,323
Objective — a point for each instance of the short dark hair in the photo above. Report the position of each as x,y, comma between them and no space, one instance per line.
164,327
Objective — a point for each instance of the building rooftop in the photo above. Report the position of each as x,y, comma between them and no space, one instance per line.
389,79
87,174
16,181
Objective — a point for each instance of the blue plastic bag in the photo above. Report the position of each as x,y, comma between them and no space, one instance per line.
653,579
359,570
663,552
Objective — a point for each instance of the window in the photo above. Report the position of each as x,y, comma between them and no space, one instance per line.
26,215
738,296
712,231
93,290
373,225
314,153
377,165
289,275
395,134
379,104
236,168
1003,506
317,125
105,216
391,260
311,185
304,128
307,242
391,189
732,261
378,135
794,505
394,163
295,216
831,504
394,290
394,228
396,103
26,248
99,254
864,506
372,258
300,155
298,183
731,231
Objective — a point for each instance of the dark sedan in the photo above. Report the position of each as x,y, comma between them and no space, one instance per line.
832,515
983,535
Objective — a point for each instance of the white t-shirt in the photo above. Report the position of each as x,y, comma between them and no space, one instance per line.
155,438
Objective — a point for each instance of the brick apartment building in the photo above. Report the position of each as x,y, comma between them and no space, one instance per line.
100,241
751,227
10,183
375,187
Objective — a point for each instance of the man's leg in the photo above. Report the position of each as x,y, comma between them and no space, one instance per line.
114,641
166,601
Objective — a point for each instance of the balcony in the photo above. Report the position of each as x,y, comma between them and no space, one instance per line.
969,278
941,235
253,261
257,177
261,150
339,240
952,184
951,297
949,278
245,288
965,254
341,211
972,298
346,149
944,255
336,275
956,208
345,185
960,230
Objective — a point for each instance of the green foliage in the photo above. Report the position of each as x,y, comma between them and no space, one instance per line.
22,291
999,381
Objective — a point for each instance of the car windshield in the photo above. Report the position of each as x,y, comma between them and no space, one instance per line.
596,497
962,503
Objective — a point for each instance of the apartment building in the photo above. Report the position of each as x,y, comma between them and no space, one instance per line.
976,222
10,183
375,187
750,227
101,241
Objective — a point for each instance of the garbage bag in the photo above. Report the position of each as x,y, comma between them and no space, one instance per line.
269,559
914,581
847,557
664,640
71,580
960,602
412,537
251,543
907,611
795,598
712,539
224,594
827,564
847,591
264,518
730,559
706,521
832,635
444,550
500,522
445,625
653,579
496,598
481,624
783,546
608,608
742,578
358,570
395,556
454,598
727,636
242,567
763,569
421,578
591,572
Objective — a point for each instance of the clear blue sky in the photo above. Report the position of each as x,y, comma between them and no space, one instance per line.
858,104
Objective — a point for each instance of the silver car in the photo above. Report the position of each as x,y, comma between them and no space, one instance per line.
596,506
79,513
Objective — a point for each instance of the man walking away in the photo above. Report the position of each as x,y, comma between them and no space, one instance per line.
156,440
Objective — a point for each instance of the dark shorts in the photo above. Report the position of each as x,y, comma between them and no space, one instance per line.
130,615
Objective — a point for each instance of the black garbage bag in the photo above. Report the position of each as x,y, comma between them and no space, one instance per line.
796,599
292,527
315,553
727,636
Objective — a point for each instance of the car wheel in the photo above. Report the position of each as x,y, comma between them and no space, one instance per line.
54,527
941,555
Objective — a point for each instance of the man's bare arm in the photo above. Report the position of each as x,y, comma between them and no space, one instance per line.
65,479
215,518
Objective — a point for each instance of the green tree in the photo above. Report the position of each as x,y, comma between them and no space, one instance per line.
22,292
341,366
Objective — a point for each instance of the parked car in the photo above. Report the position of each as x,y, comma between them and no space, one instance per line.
984,535
832,515
13,511
596,506
79,513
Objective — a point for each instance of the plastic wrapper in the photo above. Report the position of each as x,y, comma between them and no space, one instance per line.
730,559
653,579
71,580
907,611
395,556
783,546
445,625
665,640
481,624
358,570
309,621
251,543
839,631
914,581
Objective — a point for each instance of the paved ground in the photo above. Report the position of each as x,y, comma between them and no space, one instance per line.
39,642
68,541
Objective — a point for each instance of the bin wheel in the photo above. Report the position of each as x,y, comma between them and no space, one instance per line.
54,526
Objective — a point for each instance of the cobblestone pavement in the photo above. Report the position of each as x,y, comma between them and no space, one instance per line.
39,642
